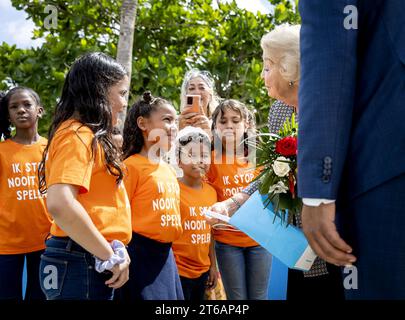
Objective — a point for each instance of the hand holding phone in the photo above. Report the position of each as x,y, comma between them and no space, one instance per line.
193,104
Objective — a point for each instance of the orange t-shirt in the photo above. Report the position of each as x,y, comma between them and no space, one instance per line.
229,179
70,161
154,194
24,221
191,250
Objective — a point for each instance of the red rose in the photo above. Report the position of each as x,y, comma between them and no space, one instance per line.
287,146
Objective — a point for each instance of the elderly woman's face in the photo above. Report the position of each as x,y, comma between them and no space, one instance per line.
276,85
198,86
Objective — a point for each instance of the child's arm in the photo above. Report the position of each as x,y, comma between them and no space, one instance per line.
73,219
228,207
213,272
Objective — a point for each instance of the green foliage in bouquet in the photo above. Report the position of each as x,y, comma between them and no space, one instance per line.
277,157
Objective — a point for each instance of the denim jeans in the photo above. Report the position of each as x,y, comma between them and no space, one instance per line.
67,273
194,289
11,276
153,273
245,272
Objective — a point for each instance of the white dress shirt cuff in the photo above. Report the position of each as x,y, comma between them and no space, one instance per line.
316,202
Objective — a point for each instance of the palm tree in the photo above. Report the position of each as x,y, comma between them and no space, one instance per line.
126,40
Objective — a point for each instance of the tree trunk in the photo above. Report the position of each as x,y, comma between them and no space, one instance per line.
125,42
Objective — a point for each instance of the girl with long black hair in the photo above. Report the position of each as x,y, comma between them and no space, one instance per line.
85,257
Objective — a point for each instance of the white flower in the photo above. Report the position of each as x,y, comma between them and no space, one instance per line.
281,169
279,187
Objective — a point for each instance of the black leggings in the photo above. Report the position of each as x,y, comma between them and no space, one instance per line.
194,289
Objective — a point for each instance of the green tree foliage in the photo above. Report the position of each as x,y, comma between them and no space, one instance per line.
171,36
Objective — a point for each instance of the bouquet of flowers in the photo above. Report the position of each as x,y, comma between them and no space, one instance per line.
277,156
267,215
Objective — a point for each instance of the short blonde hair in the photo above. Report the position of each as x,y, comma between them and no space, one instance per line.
282,47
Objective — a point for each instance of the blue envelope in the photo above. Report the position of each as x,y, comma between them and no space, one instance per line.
288,244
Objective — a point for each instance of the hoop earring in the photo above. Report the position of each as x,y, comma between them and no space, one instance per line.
291,83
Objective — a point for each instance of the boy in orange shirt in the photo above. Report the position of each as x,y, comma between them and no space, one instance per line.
85,257
154,194
24,221
194,251
244,265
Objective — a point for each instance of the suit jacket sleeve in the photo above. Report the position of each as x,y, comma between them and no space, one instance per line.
326,96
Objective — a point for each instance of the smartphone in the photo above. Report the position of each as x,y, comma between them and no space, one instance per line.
193,102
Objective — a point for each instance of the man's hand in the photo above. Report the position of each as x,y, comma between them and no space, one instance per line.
319,227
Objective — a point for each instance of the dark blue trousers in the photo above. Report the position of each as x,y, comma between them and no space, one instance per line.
153,273
11,276
374,225
194,289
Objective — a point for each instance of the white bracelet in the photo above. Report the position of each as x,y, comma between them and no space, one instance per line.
119,256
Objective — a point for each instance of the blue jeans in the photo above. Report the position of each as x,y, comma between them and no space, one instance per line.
67,273
245,272
11,276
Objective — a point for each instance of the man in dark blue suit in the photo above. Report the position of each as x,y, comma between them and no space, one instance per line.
351,145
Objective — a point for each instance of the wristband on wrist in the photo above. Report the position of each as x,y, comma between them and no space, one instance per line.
118,257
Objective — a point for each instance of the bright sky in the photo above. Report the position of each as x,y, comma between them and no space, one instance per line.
263,6
16,29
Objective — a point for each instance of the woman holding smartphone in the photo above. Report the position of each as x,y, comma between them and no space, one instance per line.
197,83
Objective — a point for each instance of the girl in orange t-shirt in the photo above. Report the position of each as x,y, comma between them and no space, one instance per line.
244,265
154,195
85,257
194,252
24,221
